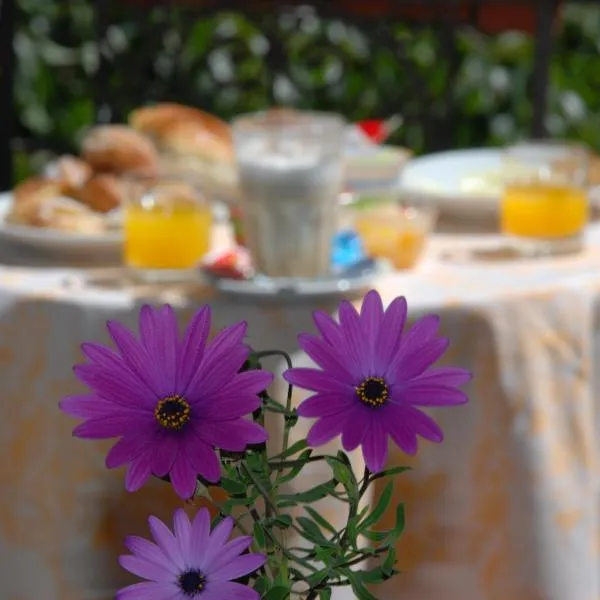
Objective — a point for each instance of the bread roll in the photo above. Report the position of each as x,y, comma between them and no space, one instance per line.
29,198
185,130
102,193
119,149
73,171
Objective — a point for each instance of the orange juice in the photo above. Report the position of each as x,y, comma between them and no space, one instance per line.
543,210
173,236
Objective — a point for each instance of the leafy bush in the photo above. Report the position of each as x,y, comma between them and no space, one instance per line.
219,63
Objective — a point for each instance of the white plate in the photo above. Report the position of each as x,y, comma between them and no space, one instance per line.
450,181
53,240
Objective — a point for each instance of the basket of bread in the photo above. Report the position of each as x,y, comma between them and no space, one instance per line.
79,198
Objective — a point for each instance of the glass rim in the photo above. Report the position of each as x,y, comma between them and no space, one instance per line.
548,145
282,119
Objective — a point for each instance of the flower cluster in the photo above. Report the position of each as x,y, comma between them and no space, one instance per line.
191,411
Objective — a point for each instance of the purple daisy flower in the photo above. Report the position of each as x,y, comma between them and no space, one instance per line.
190,562
171,400
373,379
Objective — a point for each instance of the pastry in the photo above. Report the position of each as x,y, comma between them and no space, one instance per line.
119,149
72,171
102,193
185,130
29,197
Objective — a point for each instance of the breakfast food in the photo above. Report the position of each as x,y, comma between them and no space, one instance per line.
72,171
102,193
119,149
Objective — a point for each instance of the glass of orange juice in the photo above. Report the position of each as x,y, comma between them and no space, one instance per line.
167,228
544,203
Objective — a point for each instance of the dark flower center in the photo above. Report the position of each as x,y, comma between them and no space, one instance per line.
172,412
373,392
191,582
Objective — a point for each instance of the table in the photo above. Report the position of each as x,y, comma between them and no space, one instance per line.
506,508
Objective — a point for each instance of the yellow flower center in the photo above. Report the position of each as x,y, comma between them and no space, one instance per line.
373,392
172,412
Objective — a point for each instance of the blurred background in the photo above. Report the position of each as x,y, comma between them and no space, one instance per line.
69,62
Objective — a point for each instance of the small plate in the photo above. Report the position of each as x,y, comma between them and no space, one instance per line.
354,280
53,240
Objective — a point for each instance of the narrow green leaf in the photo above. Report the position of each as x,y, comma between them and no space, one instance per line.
389,562
317,518
390,472
282,521
277,593
380,508
259,534
299,464
317,493
358,587
233,487
313,533
376,536
399,527
317,577
325,594
293,449
344,474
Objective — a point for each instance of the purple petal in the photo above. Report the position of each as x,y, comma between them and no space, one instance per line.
115,425
218,354
217,540
116,384
145,569
375,446
354,348
182,528
149,551
400,431
214,374
316,381
183,476
221,590
159,335
128,448
166,541
432,395
231,435
322,405
358,423
220,408
390,333
86,406
243,565
371,316
200,533
193,346
147,590
229,551
444,376
139,471
137,358
329,329
413,362
166,449
252,382
325,429
324,355
422,424
204,459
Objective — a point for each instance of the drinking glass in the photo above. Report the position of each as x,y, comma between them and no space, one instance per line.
544,204
167,228
290,176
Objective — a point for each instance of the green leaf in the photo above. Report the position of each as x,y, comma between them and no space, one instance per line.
390,562
259,534
342,471
325,594
293,449
277,593
313,533
317,518
282,521
299,464
358,587
380,508
233,487
390,472
399,527
317,493
314,579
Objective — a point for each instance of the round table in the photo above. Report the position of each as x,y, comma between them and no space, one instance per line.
507,507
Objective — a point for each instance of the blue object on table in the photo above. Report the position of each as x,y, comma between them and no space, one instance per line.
346,251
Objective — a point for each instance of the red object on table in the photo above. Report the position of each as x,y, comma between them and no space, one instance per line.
373,129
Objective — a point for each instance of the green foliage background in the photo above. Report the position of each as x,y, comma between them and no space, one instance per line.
221,59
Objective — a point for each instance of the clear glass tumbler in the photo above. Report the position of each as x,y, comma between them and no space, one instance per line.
290,175
545,204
